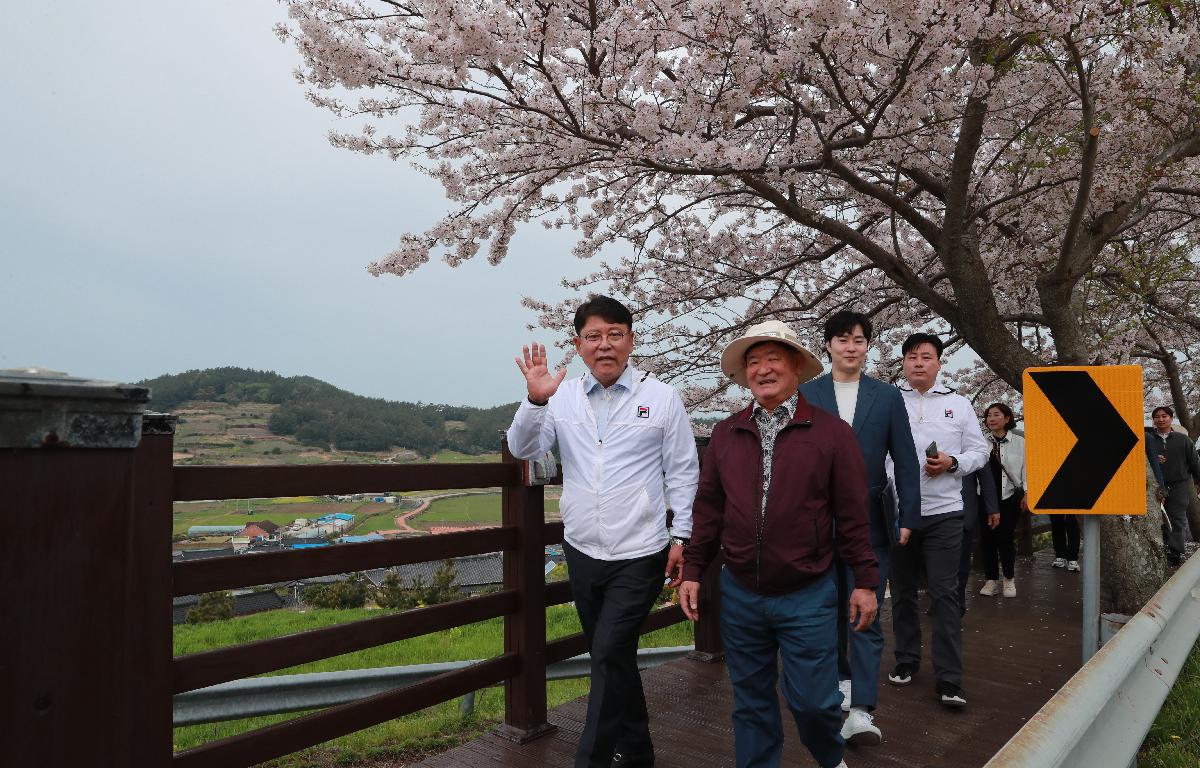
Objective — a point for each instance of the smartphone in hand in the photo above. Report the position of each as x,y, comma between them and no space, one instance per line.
931,450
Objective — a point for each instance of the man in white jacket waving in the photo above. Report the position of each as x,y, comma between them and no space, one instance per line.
949,444
628,454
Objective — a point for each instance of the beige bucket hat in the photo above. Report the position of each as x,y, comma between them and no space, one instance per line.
733,357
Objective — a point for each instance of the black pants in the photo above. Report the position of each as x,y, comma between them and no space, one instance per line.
999,543
937,545
964,566
1064,530
1178,496
612,598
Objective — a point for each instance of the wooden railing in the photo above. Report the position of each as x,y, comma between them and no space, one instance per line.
133,492
522,537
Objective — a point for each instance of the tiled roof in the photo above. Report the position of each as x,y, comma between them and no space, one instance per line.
244,603
472,571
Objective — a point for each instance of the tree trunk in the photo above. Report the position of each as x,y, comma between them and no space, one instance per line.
1193,512
1133,564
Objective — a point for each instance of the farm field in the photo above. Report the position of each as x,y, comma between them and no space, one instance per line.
400,739
479,509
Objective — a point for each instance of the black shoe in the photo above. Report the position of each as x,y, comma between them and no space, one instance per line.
950,695
621,760
902,674
1174,560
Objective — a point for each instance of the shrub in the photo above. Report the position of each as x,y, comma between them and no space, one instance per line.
351,593
212,606
394,594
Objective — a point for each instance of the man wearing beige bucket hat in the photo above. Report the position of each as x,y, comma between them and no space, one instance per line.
778,478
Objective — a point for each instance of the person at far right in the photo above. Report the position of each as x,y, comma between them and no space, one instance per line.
1178,460
1006,464
949,444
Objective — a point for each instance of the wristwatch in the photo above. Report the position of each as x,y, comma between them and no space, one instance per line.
953,465
679,541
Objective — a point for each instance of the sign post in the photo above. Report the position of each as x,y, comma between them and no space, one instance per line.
1082,424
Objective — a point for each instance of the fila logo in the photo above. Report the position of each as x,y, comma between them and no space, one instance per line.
949,413
643,411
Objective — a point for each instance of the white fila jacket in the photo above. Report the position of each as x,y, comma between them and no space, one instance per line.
616,492
947,418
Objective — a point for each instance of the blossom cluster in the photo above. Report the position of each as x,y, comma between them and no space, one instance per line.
1018,175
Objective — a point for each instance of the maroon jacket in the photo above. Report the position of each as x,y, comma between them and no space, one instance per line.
818,480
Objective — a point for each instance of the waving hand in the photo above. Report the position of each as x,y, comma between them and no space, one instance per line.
538,379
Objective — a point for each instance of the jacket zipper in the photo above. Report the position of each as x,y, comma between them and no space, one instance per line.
760,520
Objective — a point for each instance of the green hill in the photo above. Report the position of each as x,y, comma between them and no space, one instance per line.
318,414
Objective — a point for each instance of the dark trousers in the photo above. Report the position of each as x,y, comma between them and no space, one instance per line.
612,598
1179,495
796,633
1064,530
937,545
999,543
964,566
861,653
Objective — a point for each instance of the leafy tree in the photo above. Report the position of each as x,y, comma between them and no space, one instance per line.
442,589
1019,176
350,593
393,593
212,606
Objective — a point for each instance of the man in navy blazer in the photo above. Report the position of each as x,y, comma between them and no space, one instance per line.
876,412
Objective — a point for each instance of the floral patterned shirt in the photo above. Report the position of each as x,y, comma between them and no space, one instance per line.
770,424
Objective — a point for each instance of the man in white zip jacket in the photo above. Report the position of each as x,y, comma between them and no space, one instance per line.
949,444
628,454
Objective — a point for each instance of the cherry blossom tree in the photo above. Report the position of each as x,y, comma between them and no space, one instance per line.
1018,176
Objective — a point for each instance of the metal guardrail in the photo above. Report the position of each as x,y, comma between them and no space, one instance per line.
1101,716
293,693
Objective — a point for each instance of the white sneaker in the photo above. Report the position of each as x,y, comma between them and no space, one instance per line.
1010,587
1059,562
1073,565
859,729
989,588
841,765
844,687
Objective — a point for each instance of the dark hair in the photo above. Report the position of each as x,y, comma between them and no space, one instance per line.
1166,408
606,308
843,321
917,339
1008,414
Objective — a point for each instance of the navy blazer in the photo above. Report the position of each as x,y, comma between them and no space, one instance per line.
881,426
980,498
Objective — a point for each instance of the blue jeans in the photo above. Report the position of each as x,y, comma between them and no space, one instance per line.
860,654
801,628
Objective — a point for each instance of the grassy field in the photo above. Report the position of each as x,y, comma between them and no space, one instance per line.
404,738
481,509
1174,739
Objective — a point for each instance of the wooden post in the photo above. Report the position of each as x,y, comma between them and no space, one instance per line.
87,618
147,697
523,507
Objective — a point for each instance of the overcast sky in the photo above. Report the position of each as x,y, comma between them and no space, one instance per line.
168,200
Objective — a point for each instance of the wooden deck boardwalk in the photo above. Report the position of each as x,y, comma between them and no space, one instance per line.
1017,653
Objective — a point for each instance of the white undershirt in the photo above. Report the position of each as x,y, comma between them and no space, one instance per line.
846,394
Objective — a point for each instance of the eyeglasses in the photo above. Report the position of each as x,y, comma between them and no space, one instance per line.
614,337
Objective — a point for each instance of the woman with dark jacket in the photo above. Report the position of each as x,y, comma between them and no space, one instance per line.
1007,467
981,510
